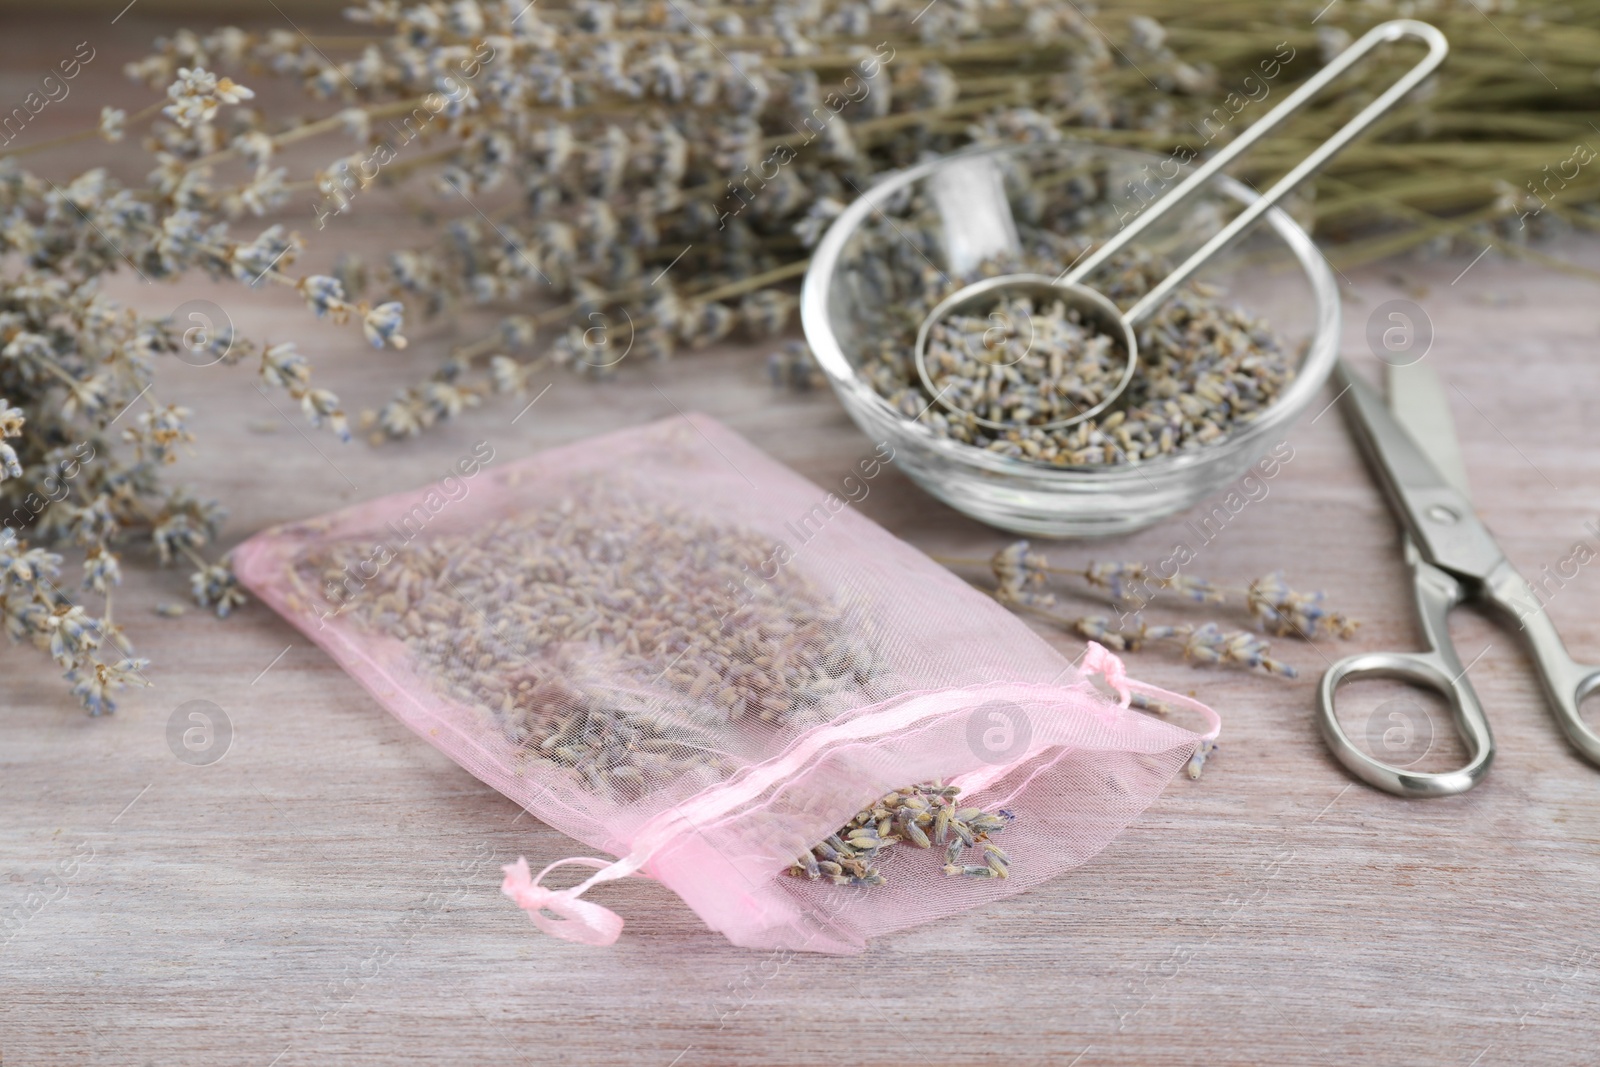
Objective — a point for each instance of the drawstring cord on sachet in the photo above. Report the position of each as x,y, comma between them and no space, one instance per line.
573,919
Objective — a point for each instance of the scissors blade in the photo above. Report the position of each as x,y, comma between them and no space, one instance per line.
1417,400
1436,514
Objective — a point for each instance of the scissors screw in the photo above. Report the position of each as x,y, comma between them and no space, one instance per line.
1441,514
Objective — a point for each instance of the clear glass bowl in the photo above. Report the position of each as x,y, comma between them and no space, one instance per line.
1301,303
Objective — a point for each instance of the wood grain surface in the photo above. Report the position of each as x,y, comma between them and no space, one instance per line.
328,891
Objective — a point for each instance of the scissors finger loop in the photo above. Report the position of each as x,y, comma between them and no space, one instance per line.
1426,669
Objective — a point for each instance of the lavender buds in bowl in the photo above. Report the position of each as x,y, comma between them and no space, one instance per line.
1225,365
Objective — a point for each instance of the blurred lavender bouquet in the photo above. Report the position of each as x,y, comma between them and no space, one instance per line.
604,140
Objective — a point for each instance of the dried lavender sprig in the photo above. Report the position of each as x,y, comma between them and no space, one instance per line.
113,124
74,364
92,651
1021,576
1021,572
1206,643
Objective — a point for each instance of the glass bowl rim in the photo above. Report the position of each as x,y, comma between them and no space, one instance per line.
1309,378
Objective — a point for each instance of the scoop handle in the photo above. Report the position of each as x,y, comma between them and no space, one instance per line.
974,214
1395,30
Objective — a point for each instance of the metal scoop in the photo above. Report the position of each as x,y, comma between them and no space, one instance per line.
966,246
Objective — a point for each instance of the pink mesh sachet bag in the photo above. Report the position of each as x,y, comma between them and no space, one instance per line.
676,650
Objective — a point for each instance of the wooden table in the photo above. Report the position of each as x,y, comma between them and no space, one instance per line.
330,888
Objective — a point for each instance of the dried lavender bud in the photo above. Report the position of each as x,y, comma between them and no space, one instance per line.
1019,575
1114,578
1280,610
793,367
611,637
1148,703
925,815
1020,367
1211,644
1204,366
1101,629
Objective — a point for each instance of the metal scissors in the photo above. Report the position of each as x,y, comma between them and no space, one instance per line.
1412,449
